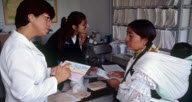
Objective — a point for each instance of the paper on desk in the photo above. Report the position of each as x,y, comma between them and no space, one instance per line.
62,97
114,67
80,94
96,85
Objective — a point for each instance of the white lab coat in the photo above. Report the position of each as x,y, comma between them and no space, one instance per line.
24,71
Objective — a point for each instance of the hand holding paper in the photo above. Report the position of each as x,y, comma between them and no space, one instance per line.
107,75
62,72
116,74
103,74
77,70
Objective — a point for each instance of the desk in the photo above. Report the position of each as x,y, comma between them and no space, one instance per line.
99,93
61,97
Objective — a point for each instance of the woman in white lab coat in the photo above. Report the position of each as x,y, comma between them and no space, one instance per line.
23,67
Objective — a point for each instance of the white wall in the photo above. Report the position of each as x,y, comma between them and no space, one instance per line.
64,7
97,12
6,28
98,15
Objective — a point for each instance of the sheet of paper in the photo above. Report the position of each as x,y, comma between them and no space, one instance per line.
77,70
91,73
114,67
102,73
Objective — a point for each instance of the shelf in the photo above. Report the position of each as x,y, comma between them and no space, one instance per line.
180,7
187,6
174,28
160,7
125,25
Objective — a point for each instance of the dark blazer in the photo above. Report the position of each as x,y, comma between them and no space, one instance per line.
69,51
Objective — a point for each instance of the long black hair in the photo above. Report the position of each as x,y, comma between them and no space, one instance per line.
66,31
144,28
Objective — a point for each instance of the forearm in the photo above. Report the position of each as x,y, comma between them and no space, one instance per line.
41,90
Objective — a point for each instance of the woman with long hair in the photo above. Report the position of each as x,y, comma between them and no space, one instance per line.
64,41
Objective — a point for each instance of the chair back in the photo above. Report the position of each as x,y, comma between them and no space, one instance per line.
2,90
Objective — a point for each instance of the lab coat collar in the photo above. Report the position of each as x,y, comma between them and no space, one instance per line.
20,37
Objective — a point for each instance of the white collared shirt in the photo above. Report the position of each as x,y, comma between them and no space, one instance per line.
74,39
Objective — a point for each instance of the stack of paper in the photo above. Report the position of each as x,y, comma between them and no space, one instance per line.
185,18
96,85
62,97
131,3
125,3
183,36
130,15
119,32
119,16
173,2
187,2
164,39
141,14
115,16
80,94
116,3
151,15
147,3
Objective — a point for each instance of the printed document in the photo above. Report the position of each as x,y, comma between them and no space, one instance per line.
77,70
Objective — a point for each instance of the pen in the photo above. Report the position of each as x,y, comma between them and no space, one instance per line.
58,61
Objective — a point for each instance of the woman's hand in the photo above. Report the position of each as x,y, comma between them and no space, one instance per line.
116,74
113,83
92,70
53,69
62,72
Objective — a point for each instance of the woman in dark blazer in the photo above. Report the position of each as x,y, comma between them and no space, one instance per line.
64,42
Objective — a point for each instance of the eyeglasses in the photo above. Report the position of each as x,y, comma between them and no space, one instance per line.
47,18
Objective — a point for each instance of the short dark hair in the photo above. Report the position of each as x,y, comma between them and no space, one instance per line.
36,7
181,50
144,28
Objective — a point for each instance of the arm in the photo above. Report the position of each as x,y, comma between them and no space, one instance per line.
28,77
114,82
136,91
117,74
61,72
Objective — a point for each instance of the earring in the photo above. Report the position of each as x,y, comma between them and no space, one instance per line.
143,46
